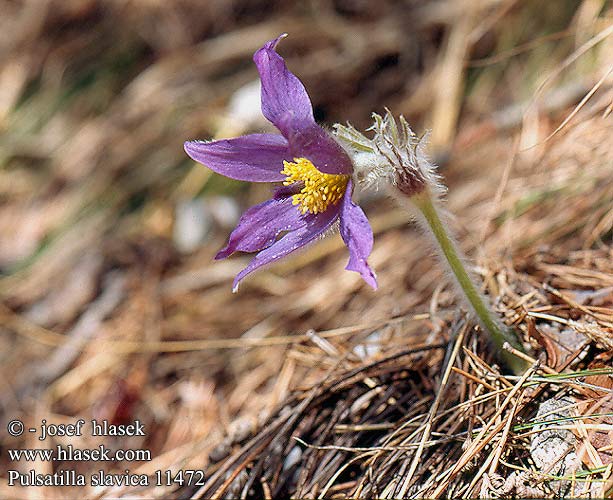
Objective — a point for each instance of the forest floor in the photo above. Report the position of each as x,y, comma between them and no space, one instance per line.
306,383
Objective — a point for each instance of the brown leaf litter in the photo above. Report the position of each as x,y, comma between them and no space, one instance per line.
305,384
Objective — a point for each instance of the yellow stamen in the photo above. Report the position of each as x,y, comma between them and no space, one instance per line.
320,190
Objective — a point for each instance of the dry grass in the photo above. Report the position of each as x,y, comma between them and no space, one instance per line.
306,383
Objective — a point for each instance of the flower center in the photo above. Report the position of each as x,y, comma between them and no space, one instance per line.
320,190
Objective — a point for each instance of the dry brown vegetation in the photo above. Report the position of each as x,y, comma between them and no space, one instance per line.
306,383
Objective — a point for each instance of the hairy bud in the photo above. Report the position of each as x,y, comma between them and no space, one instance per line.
394,156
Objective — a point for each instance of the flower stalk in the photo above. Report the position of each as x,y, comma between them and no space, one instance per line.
395,157
498,335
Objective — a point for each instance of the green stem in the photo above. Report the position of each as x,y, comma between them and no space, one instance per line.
498,335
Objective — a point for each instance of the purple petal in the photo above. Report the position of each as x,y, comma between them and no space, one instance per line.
357,235
254,158
282,92
259,227
286,104
315,144
314,226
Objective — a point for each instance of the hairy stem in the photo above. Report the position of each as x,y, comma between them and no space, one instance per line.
498,334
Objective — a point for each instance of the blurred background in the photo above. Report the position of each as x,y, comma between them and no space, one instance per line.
110,303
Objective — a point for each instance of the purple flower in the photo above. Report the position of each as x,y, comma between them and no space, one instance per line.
314,169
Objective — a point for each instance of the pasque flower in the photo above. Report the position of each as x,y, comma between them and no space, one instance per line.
315,172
